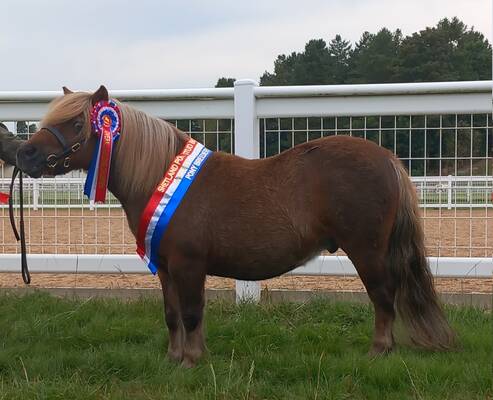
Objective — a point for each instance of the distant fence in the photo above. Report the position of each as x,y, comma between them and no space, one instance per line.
433,191
441,131
453,192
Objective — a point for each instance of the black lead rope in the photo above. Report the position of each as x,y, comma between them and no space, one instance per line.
26,277
51,162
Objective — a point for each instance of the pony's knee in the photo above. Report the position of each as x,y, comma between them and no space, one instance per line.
383,298
191,320
172,319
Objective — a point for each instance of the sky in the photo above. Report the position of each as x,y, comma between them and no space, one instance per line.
144,44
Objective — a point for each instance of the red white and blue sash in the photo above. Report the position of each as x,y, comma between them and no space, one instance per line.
166,199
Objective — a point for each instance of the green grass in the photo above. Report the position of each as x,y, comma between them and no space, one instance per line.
107,349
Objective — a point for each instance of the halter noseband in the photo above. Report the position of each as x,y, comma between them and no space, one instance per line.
67,149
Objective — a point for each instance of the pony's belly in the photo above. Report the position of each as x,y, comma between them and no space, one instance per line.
250,274
254,270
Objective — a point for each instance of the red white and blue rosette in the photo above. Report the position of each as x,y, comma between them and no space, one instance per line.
106,124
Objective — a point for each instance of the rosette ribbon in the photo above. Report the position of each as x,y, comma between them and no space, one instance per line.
4,198
106,124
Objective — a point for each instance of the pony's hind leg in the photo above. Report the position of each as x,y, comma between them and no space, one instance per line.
378,282
382,297
172,317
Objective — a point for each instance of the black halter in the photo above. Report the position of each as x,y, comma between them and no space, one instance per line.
67,149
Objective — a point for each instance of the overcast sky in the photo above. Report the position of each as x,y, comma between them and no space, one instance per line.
189,43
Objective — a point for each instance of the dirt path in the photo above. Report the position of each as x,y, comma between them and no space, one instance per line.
455,285
453,233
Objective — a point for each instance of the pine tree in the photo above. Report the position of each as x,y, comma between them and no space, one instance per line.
340,51
448,52
375,57
225,82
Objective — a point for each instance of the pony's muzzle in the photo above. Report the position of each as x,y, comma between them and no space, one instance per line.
30,160
27,152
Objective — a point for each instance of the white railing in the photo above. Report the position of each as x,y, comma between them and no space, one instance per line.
434,192
354,108
454,191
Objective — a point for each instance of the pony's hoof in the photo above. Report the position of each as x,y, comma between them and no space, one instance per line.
174,356
188,363
379,350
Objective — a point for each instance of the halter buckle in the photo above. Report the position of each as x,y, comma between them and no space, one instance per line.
75,147
66,162
51,161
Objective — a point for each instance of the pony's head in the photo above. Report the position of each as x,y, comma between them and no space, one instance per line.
64,141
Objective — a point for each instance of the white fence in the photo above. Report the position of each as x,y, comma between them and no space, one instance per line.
441,131
458,192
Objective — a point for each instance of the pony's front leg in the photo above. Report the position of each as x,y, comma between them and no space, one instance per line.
189,277
172,317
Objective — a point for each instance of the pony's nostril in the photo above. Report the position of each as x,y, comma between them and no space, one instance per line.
28,151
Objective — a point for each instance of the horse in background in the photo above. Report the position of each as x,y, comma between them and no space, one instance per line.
257,219
9,144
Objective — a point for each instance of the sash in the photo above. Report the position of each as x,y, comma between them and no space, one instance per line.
166,199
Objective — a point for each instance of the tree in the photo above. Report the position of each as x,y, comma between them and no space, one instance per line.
283,71
340,52
315,64
447,52
375,57
473,56
32,128
21,127
312,66
225,82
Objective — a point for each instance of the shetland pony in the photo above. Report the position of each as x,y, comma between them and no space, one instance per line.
257,219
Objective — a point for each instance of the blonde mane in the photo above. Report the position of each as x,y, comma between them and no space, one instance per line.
146,147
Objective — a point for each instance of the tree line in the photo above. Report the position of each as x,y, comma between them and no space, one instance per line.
449,51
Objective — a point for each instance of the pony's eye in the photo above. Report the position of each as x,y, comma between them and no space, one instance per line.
78,126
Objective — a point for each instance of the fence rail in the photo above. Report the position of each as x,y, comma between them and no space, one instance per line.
441,131
444,267
434,192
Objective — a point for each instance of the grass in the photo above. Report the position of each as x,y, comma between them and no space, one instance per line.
54,348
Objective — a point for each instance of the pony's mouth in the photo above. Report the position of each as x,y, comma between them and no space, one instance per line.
32,171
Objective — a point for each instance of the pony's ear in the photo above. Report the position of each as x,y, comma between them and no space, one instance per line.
100,95
66,90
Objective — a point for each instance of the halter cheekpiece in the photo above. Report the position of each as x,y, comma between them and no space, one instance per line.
105,119
67,149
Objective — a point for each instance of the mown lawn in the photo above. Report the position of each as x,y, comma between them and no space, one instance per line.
107,349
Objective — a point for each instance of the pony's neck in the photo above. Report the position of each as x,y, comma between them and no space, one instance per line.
134,202
143,153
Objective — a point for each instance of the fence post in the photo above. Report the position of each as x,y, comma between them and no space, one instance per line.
35,194
246,145
449,192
